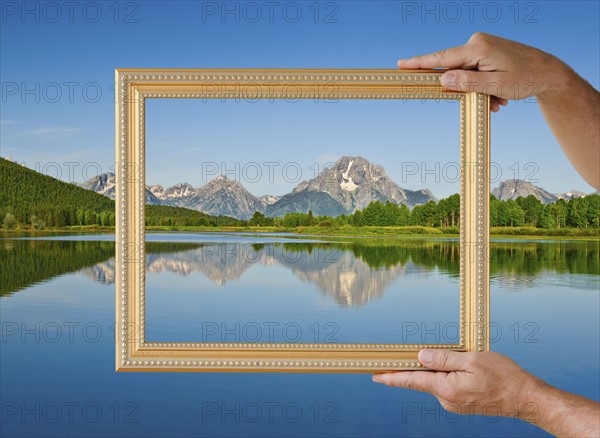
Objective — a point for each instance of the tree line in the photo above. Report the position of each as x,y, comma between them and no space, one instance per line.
529,211
33,200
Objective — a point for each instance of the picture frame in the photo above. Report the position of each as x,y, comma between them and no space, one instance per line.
134,86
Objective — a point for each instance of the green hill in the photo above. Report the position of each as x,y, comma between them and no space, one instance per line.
31,199
28,194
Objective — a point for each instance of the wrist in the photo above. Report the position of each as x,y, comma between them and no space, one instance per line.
561,80
533,394
543,405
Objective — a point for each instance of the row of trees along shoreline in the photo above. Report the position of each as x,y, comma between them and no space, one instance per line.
523,212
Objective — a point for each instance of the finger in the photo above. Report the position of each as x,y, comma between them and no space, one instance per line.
454,57
424,381
445,360
473,81
496,102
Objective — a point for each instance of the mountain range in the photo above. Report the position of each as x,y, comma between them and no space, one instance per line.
349,185
516,188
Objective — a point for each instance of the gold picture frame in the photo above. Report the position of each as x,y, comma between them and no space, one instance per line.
134,86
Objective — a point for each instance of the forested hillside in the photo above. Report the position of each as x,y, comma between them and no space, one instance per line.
31,199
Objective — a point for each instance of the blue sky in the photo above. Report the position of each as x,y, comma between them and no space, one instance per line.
57,68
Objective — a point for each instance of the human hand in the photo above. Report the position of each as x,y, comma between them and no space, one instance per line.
470,383
488,64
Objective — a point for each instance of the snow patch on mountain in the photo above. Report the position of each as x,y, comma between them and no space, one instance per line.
347,183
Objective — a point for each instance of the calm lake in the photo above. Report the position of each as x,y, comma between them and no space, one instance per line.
57,358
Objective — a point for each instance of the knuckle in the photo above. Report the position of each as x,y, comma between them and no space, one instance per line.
478,36
481,42
443,359
410,384
417,384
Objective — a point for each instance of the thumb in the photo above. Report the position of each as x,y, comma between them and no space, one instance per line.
443,360
472,81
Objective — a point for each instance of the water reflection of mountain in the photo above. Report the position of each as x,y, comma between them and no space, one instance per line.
352,273
355,273
219,263
335,271
104,272
350,280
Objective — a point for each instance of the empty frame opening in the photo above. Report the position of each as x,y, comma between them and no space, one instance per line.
371,185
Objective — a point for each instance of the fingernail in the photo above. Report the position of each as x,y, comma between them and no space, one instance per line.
377,378
448,78
426,356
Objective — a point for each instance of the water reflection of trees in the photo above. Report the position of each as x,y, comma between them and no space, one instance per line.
531,258
26,262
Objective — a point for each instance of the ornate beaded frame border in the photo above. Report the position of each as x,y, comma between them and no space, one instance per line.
134,86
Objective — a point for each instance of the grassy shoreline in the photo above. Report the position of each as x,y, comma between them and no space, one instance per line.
346,231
